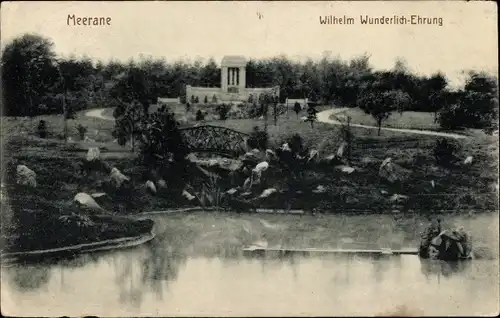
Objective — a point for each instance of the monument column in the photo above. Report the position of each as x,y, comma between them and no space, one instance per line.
223,78
242,79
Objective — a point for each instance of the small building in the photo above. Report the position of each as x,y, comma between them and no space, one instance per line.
233,85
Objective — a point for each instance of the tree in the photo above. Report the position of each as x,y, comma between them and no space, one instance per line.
311,115
134,86
197,100
476,106
214,99
193,99
297,108
205,100
29,74
199,115
161,140
250,99
378,104
129,124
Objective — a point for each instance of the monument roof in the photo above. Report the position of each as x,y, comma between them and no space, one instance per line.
234,60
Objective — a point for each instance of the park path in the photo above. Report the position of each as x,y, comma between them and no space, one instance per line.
324,117
99,113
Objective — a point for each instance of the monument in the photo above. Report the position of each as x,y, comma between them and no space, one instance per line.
233,84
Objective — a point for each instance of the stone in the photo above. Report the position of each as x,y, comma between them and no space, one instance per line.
270,155
162,184
86,201
468,160
232,191
88,139
341,150
313,155
433,184
255,151
188,195
391,171
93,154
285,147
345,169
262,166
266,193
319,189
26,176
150,186
398,198
384,192
117,178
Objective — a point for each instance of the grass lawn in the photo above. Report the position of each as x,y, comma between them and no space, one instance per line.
406,120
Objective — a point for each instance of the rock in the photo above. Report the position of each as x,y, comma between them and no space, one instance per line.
115,141
391,171
188,195
192,157
266,193
367,160
117,178
232,191
261,117
319,189
433,184
313,155
261,167
26,176
69,139
383,192
86,201
468,160
93,154
345,169
247,184
270,155
285,147
398,198
161,184
88,139
341,150
150,186
255,151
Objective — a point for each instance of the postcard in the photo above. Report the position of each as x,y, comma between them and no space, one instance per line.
237,159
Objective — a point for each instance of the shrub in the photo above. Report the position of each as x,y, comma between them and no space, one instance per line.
254,111
205,100
197,100
258,139
445,151
199,115
296,143
81,131
223,111
214,99
193,99
42,129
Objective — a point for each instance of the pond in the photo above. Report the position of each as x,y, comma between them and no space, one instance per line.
195,267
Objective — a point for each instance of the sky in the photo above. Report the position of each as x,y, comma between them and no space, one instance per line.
189,30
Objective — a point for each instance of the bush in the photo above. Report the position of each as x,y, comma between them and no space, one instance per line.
81,131
214,99
296,143
254,111
205,100
223,111
197,100
199,115
445,151
258,139
42,129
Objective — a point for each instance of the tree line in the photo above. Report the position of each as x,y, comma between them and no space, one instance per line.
35,81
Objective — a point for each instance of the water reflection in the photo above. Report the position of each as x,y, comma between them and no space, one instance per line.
437,268
187,271
28,278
